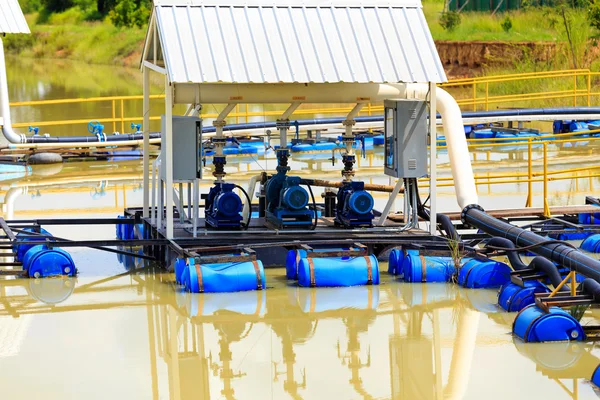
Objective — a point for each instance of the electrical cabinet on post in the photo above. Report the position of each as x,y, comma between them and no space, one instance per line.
405,128
187,148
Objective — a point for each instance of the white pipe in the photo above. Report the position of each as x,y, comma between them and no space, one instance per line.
5,122
432,159
251,189
458,151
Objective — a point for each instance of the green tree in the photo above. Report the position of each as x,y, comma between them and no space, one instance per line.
57,5
130,13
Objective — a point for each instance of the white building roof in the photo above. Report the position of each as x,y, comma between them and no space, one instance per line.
314,41
12,19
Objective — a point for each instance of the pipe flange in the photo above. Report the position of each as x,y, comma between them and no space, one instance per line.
463,214
219,123
348,122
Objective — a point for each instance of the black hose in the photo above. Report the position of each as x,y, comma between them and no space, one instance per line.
249,206
591,287
316,221
546,266
496,243
445,221
556,251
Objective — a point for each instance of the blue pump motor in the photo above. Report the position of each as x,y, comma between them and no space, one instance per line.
287,202
41,262
481,274
354,205
21,249
223,207
532,324
513,297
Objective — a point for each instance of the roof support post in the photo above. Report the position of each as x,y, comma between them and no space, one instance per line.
219,140
432,158
146,156
168,159
349,157
283,124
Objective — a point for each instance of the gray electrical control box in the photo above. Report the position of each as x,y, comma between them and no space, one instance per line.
405,138
187,148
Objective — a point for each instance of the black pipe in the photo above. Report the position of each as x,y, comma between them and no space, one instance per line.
322,121
546,266
591,287
513,255
556,251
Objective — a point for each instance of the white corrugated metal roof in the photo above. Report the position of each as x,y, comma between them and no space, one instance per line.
322,42
12,19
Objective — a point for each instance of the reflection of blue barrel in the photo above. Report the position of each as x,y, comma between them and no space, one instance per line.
327,299
421,294
41,262
248,303
21,249
477,274
226,277
591,244
51,291
338,271
532,324
513,297
427,269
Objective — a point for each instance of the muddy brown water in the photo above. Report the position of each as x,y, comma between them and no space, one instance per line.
122,331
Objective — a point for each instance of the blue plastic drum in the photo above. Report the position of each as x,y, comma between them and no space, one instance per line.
292,261
591,244
41,262
533,325
427,269
513,297
331,272
226,277
480,274
21,249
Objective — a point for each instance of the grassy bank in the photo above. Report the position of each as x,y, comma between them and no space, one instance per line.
67,36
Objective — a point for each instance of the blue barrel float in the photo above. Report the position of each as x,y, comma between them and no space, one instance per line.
591,244
480,274
28,235
41,262
418,268
292,261
332,272
224,277
513,297
596,376
534,325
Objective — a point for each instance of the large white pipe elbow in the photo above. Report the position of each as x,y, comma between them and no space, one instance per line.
5,121
458,151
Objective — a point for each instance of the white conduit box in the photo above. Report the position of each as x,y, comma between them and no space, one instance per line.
405,138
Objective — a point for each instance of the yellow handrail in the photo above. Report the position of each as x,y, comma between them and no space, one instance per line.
563,84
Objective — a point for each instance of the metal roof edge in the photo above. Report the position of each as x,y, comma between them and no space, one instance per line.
292,3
